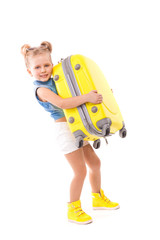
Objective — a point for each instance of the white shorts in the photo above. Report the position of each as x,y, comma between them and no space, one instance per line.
65,139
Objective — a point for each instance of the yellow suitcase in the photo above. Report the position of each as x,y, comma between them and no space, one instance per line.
77,75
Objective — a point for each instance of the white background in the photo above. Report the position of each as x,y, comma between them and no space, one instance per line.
123,37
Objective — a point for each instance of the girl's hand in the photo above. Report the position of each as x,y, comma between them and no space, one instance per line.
94,97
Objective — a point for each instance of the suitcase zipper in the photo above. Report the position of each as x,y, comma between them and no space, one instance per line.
75,91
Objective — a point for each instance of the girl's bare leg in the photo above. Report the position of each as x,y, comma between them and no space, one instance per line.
94,165
77,162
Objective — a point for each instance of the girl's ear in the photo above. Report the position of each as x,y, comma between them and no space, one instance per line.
29,71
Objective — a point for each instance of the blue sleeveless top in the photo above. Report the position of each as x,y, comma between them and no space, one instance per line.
55,111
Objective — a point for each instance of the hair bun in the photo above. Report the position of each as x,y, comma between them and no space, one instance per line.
48,45
24,49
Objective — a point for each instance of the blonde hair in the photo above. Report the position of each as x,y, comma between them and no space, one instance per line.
27,51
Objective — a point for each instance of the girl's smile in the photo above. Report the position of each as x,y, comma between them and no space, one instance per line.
40,67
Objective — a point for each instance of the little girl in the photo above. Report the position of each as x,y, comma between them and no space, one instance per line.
39,65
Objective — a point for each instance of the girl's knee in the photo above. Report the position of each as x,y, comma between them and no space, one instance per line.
98,164
91,158
81,173
95,165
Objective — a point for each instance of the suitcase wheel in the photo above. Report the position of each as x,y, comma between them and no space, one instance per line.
79,141
123,132
97,144
106,130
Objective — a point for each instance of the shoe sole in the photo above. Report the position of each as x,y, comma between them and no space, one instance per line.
105,208
81,223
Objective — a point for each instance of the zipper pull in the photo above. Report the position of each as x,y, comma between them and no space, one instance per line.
60,60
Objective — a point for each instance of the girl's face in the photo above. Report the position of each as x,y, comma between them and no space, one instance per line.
40,67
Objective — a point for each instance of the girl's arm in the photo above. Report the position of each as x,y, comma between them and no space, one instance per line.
46,95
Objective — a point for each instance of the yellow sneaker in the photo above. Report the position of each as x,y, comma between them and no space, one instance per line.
76,214
100,201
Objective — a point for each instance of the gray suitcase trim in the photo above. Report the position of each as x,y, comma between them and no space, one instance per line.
75,91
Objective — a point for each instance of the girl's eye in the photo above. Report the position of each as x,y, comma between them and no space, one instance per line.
37,67
47,65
